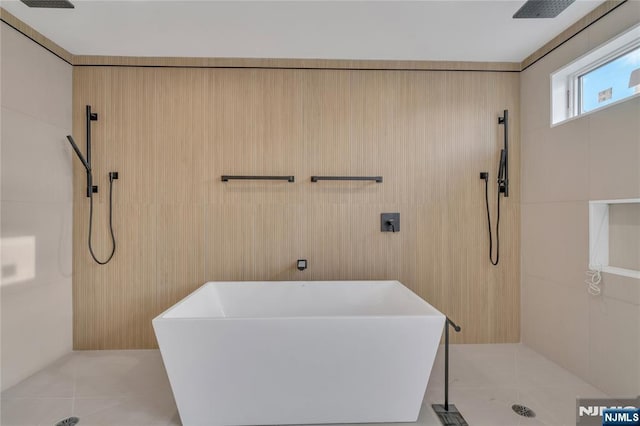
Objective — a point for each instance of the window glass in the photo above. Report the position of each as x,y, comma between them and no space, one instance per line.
615,80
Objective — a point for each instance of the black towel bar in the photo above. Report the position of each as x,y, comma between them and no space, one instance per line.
227,178
378,179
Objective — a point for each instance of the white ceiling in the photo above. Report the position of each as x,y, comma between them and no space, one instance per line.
476,30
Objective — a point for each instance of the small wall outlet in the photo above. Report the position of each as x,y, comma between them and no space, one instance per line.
389,222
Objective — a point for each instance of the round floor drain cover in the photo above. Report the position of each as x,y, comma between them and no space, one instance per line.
69,421
521,410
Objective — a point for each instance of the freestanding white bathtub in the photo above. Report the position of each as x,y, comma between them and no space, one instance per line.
273,353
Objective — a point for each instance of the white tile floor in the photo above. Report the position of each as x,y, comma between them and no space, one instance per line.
130,388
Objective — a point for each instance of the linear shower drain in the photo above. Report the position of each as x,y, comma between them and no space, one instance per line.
523,411
69,421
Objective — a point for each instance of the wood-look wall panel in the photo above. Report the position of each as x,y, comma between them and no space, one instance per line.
114,303
279,240
429,134
181,135
125,136
230,242
327,117
255,128
373,141
180,252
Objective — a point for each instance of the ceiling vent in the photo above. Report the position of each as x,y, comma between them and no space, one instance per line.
542,9
49,4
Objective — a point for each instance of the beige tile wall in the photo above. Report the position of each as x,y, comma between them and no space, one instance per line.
593,157
36,202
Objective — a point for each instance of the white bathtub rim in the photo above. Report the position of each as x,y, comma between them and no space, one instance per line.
161,317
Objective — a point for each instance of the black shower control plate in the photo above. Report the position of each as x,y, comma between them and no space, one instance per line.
389,222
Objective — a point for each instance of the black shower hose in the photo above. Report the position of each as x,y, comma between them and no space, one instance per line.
486,198
113,238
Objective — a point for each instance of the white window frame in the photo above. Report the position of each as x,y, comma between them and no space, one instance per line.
565,82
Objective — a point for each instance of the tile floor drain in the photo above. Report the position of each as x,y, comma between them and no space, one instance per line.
523,411
69,421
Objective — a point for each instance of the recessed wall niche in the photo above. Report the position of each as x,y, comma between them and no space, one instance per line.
614,236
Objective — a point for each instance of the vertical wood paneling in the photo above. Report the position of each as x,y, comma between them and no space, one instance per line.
172,132
179,251
181,133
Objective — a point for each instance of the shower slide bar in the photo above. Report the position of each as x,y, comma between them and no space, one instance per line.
503,170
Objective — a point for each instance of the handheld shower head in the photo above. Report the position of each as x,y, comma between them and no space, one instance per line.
502,166
79,154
